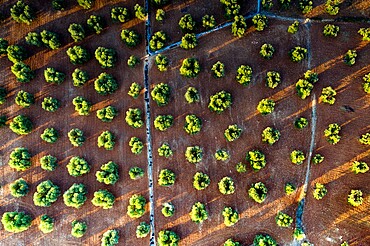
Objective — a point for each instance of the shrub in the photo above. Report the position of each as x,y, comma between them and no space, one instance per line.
58,4
105,84
3,94
231,217
365,138
134,91
140,12
222,155
283,220
136,173
160,15
267,51
264,239
311,77
297,54
355,198
239,26
133,118
22,72
293,28
300,123
319,191
198,213
168,209
297,157
266,106
106,57
136,207
157,40
110,238
161,94
19,188
82,106
298,234
136,145
24,99
208,22
201,181
289,188
231,8
16,53
162,62
106,140
218,70
189,41
104,199
77,32
96,23
194,154
256,159
130,38
260,22
46,194
119,14
53,76
79,77
166,177
75,196
330,30
22,13
20,159
50,39
163,122
220,101
244,74
77,166
50,104
165,150
106,114
230,242
46,224
241,167
191,95
50,135
190,68
142,230
3,46
21,125
328,95
168,238
193,124
33,38
303,88
232,133
365,33
186,23
359,167
16,221
332,6
366,83
78,228
258,192
270,135
48,163
78,55
350,57
133,61
305,6
226,186
86,4
332,133
273,79
76,137
317,159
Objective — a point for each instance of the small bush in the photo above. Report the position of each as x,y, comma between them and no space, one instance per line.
273,79
133,61
232,133
133,118
289,188
300,123
201,181
355,198
186,23
168,238
319,191
218,70
258,192
46,224
163,122
136,145
77,32
297,54
166,177
96,23
104,199
119,14
222,155
142,230
22,72
106,114
231,216
50,104
266,106
226,186
297,157
365,33
21,125
332,133
46,194
78,166
24,99
260,239
162,62
168,209
157,41
82,106
317,159
48,163
130,38
193,124
78,228
33,38
330,30
136,173
293,28
366,83
267,51
22,13
244,74
198,213
16,221
208,22
50,135
270,135
256,159
303,88
79,77
189,41
359,167
53,76
190,68
50,39
140,12
260,22
241,167
19,188
110,238
86,4
160,15
136,207
194,154
75,196
365,139
220,101
311,76
350,57
16,53
78,55
283,220
76,137
165,150
230,242
239,26
161,94
106,57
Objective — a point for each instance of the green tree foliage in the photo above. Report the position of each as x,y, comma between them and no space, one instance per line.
260,22
105,84
189,41
157,41
106,140
365,139
86,4
58,4
231,216
75,196
187,24
190,68
198,213
168,209
303,88
168,238
222,155
366,83
355,198
33,38
106,57
317,159
78,228
201,181
344,244
230,242
359,167
82,106
78,55
330,30
328,95
49,135
19,188
106,114
289,188
226,186
220,101
267,4
140,12
305,6
270,135
46,194
266,106
3,46
293,28
297,54
258,192
48,163
16,53
194,154
298,234
133,61
166,177
165,150
142,230
50,39
136,145
332,133
22,72
53,76
104,199
160,15
77,32
22,13
350,57
21,125
244,74
241,167
300,123
192,95
3,120
218,70
297,157
76,137
24,99
79,77
136,173
273,79
264,240
332,6
319,191
78,166
3,94
133,118
136,207
239,26
311,76
135,89
16,221
110,238
161,94
285,4
256,159
208,22
231,8
46,224
159,2
267,51
232,132
283,220
50,104
162,62
119,14
365,33
192,125
130,38
95,23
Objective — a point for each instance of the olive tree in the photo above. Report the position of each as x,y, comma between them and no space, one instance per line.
244,74
192,95
106,114
226,186
230,242
303,88
140,12
201,181
305,6
77,32
198,213
3,45
79,228
20,159
297,157
261,239
166,177
328,95
355,198
283,220
136,206
46,194
104,199
133,118
293,28
194,154
75,196
208,22
222,155
134,91
106,57
190,68
239,26
78,166
267,51
270,135
130,38
16,221
258,192
297,54
22,13
161,94
192,124
220,101
19,188
241,167
187,24
365,33
33,38
136,173
189,41
256,159
53,76
167,238
3,94
266,106
50,39
359,167
16,53
260,22
76,137
119,14
165,150
332,6
79,77
332,133
22,72
58,4
86,4
350,57
157,40
366,83
273,79
133,61
21,125
48,163
231,216
142,230
82,106
319,191
136,145
24,99
49,135
231,8
78,55
317,159
46,224
110,238
160,15
162,62
168,209
106,140
218,70
105,84
330,30
163,122
289,188
50,104
96,23
365,139
300,123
